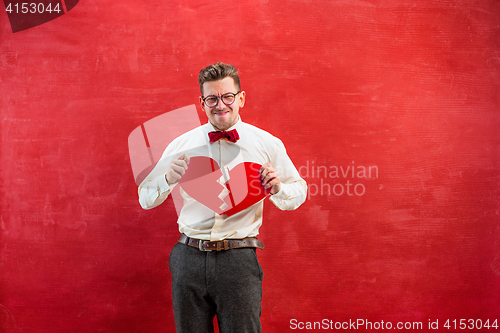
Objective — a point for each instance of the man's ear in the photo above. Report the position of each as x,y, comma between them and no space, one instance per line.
242,98
202,104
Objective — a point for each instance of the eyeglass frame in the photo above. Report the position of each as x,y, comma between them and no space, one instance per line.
220,97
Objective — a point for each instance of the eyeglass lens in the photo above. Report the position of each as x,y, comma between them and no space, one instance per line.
227,99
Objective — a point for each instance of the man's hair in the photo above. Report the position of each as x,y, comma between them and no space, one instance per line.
218,72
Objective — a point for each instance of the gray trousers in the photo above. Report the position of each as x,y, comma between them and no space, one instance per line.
225,283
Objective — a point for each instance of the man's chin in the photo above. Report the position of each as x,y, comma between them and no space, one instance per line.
221,125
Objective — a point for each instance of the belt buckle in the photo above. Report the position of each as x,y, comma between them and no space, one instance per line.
200,246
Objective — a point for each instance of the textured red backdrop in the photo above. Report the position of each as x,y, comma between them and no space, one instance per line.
406,89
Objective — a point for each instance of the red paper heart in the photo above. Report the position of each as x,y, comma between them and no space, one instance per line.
29,14
244,185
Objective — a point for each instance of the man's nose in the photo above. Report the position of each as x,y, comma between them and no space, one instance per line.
220,104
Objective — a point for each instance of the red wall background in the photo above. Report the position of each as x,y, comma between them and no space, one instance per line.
410,88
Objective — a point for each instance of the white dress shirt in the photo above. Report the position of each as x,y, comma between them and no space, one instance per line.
255,145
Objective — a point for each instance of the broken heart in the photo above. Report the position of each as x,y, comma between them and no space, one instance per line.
202,181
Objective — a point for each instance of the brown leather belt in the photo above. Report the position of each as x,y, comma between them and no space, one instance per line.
226,244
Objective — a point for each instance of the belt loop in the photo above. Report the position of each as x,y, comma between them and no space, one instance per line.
187,240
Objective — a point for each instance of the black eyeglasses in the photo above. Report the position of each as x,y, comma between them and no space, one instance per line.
227,98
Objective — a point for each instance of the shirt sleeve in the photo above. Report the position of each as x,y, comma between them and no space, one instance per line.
154,189
293,190
154,192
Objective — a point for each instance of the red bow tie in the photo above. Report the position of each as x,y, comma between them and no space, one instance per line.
231,135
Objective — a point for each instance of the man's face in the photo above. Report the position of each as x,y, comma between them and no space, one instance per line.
222,116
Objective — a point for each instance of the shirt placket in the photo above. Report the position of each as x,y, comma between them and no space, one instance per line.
219,219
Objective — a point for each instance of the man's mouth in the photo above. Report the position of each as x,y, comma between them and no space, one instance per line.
220,114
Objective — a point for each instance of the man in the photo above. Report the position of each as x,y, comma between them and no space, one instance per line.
214,266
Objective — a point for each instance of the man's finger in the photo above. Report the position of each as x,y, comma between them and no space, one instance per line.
267,170
270,183
273,182
180,163
184,157
268,177
264,166
179,169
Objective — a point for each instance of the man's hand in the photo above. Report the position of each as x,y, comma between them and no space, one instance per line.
269,177
177,169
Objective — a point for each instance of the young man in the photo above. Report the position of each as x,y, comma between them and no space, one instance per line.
214,266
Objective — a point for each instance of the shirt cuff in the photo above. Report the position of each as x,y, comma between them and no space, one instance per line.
163,186
281,195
